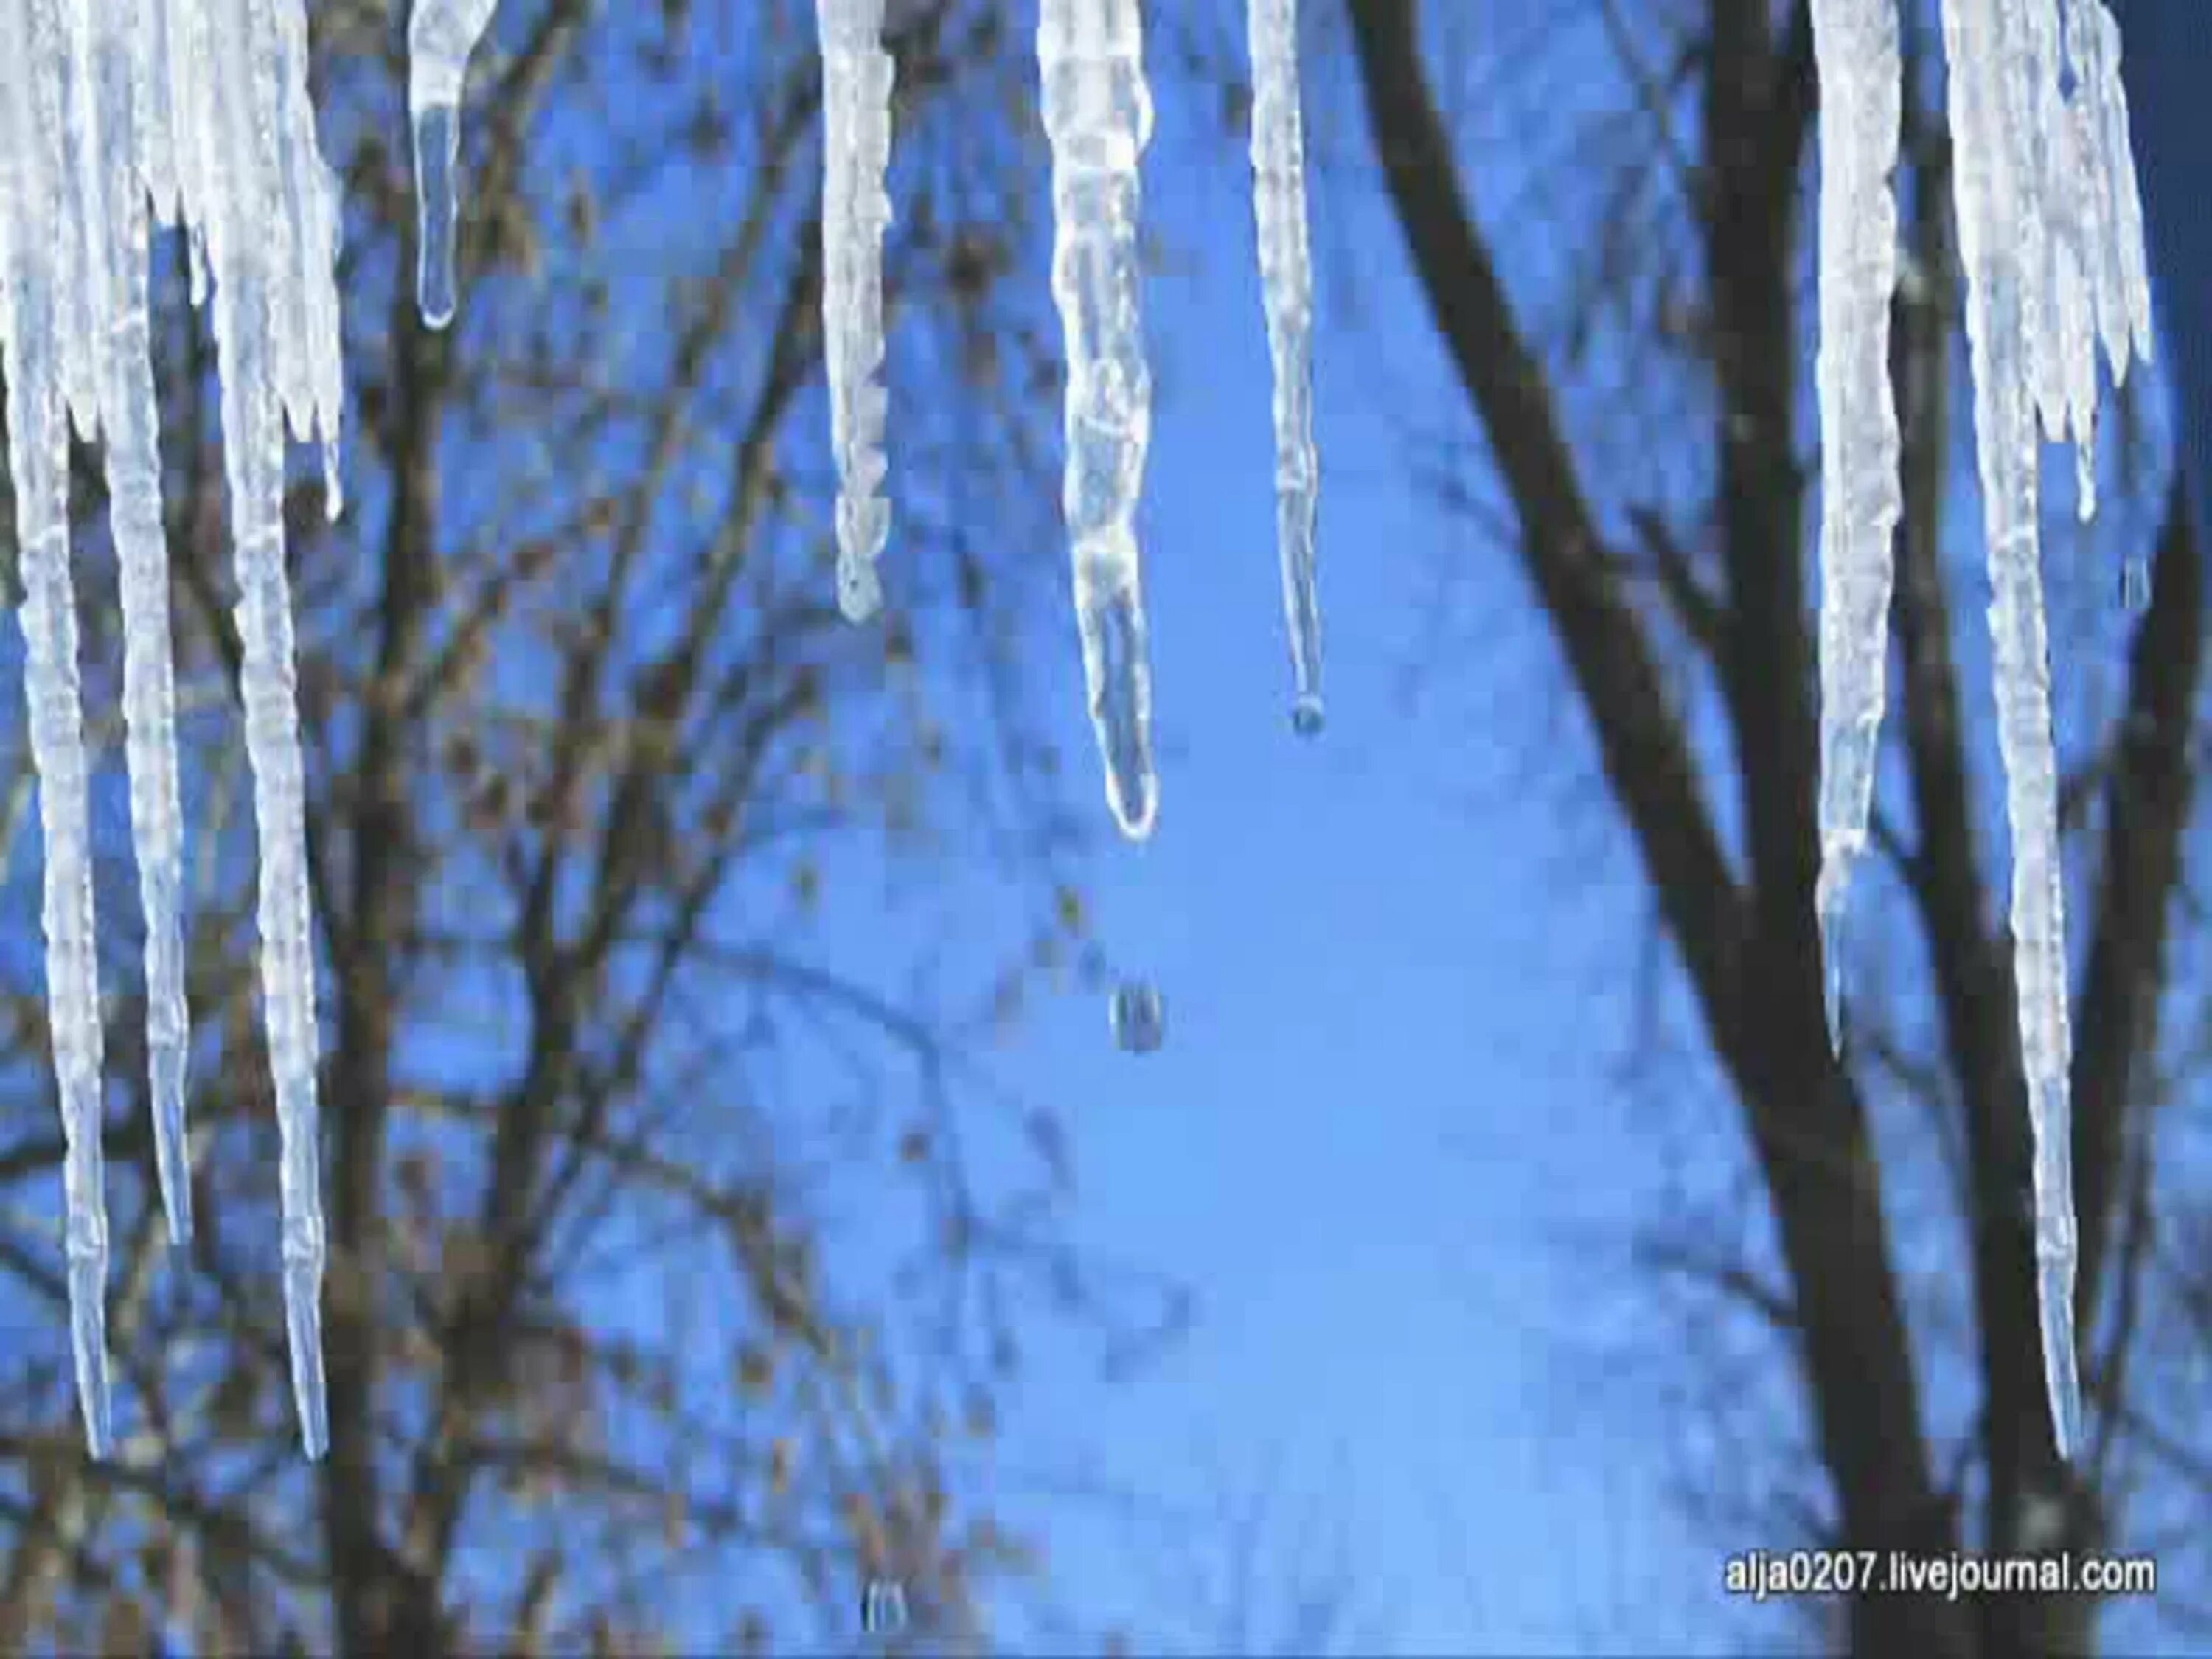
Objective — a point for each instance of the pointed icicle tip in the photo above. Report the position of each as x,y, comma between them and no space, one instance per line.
437,198
2061,1375
1828,908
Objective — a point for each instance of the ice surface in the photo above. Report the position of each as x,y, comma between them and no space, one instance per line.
112,400
1861,500
440,35
200,107
1279,208
2051,234
37,240
1098,117
268,215
856,101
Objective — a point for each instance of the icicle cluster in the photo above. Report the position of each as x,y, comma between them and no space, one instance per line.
202,106
1098,117
2051,232
1279,206
42,247
856,103
440,35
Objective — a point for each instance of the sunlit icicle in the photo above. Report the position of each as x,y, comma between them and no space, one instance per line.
1856,44
856,105
309,345
1995,184
1278,207
33,318
2108,300
440,35
249,249
106,88
1098,118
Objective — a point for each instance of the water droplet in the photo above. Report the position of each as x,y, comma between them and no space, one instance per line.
2135,587
1139,1016
1307,718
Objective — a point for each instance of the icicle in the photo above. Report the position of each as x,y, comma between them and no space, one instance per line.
2051,236
1857,42
2051,229
2002,242
856,103
117,404
1098,117
270,250
440,35
1278,207
33,317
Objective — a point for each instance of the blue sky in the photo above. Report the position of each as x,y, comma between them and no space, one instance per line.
1386,1138
1383,1090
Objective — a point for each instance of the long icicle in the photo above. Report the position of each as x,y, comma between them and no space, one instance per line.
2052,234
115,337
856,105
32,315
440,35
2000,232
1098,118
1279,208
251,284
1855,42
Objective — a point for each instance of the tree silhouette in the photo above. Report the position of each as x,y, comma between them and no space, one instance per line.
619,1137
1681,614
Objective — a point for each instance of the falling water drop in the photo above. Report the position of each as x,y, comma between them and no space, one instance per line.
2135,586
1139,1016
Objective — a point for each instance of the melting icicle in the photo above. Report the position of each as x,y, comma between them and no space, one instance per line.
34,316
1998,216
1139,1016
1279,206
267,202
1856,41
440,35
2051,232
114,400
856,102
1098,117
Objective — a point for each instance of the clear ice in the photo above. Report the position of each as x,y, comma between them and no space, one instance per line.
201,105
40,240
2050,233
269,208
1279,208
856,101
440,35
1861,498
1098,118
